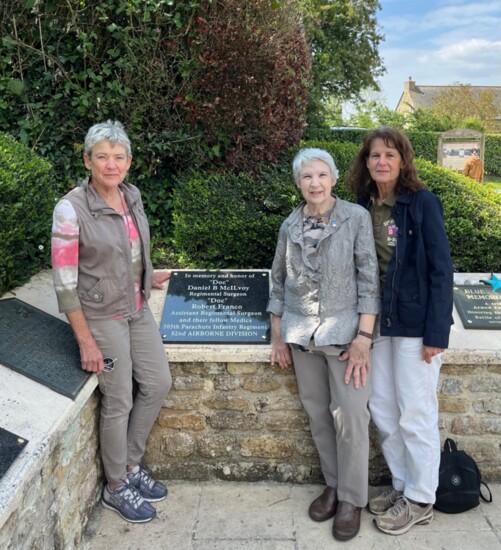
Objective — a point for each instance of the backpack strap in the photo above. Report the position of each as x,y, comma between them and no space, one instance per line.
450,446
488,489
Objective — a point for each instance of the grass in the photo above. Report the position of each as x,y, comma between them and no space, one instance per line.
493,181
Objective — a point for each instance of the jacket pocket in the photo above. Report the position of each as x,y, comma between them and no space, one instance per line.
104,298
411,308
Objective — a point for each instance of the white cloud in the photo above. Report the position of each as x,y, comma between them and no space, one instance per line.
435,26
476,53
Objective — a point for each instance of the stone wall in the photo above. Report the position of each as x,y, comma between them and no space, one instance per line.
470,409
233,421
244,421
54,505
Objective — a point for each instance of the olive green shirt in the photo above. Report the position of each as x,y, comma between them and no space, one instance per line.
385,233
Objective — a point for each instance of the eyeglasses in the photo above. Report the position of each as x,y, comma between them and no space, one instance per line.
109,364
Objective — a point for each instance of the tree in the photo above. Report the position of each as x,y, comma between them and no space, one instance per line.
250,86
430,120
197,83
344,42
462,101
370,110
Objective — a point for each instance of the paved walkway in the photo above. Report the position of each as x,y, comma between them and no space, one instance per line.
272,516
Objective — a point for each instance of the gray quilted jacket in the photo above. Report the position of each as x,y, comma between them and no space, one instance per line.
322,296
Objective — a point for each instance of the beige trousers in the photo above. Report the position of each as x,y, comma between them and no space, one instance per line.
126,421
339,420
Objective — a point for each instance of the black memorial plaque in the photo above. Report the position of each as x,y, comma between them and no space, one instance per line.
479,307
10,447
217,307
41,347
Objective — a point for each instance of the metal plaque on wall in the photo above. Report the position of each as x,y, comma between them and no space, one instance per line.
217,307
478,306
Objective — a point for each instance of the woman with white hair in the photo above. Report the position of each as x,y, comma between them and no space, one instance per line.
103,277
324,301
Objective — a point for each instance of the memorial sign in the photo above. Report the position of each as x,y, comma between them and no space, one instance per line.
455,147
216,307
41,347
479,307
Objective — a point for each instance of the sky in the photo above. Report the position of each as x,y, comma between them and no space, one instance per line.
439,42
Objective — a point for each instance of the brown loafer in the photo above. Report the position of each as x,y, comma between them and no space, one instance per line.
324,506
347,521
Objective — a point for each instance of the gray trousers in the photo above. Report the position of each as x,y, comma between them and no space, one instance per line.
339,421
136,345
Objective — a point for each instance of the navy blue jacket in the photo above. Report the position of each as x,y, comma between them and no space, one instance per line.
417,296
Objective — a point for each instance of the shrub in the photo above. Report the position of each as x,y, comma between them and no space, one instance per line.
229,221
249,92
27,197
425,144
339,135
190,80
492,158
472,218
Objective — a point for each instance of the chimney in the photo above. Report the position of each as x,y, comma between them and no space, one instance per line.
410,85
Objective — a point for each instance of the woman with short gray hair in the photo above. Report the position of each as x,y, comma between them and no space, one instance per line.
324,300
103,277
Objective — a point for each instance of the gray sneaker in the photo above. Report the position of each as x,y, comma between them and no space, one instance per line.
150,489
384,501
126,501
402,516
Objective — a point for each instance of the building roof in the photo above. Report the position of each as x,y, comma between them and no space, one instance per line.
416,97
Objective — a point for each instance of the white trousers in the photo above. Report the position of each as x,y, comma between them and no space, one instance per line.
404,408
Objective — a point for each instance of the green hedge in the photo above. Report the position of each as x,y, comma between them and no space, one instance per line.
27,195
492,157
229,221
425,144
472,218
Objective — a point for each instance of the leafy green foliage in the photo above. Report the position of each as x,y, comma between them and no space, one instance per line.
204,84
472,218
250,88
230,220
345,135
429,120
344,39
461,102
372,112
492,157
425,144
67,65
27,197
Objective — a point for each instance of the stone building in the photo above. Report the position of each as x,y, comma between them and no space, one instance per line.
421,97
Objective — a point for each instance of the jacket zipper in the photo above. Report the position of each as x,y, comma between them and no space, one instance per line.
388,319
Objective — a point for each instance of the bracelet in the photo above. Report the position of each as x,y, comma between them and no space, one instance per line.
366,334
